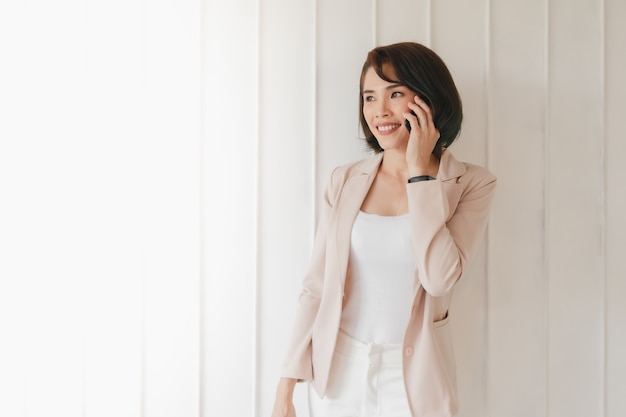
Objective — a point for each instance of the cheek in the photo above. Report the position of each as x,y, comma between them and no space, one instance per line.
371,126
367,115
404,106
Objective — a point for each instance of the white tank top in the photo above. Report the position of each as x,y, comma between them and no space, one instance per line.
379,285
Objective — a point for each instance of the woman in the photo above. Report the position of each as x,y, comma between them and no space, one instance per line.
396,234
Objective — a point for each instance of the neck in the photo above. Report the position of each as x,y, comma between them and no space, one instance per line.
394,164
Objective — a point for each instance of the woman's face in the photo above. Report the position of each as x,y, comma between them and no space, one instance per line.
383,106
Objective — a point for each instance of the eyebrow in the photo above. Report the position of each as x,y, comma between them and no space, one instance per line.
391,87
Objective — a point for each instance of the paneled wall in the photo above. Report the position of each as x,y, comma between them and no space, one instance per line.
161,169
539,321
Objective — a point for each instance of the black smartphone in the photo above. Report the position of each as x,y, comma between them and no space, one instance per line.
406,122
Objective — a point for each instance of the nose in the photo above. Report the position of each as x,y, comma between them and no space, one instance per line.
382,109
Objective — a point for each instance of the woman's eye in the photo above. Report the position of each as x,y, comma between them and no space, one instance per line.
396,94
369,98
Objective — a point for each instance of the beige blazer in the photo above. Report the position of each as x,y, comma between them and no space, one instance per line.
448,218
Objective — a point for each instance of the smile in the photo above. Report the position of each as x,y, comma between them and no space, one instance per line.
387,128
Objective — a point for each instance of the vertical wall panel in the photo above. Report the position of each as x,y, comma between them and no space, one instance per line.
229,207
615,89
286,181
458,35
230,116
402,21
113,290
575,210
15,249
517,300
339,62
172,190
42,179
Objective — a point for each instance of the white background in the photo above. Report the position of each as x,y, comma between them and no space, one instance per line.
161,163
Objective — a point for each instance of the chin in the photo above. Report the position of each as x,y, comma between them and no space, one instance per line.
390,144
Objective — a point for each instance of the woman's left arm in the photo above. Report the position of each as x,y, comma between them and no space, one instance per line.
443,241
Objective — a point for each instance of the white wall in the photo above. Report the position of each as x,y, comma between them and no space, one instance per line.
100,128
161,164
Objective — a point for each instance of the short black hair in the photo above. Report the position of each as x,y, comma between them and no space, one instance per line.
422,71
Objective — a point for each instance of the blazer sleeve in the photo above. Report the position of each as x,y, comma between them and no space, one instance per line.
443,241
297,363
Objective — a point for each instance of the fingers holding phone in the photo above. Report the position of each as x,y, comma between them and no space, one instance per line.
423,132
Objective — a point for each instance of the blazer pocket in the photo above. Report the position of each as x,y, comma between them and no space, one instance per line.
442,321
443,338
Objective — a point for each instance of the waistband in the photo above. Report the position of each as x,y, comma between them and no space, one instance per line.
347,345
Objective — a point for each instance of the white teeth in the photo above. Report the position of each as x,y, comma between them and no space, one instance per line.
387,127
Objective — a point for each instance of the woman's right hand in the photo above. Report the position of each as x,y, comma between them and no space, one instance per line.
283,409
283,404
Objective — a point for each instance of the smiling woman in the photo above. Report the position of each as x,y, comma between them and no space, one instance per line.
122,294
396,234
432,82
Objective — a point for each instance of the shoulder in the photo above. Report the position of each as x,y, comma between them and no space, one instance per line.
471,176
366,166
477,180
477,173
342,174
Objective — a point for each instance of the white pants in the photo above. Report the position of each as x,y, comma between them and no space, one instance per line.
365,381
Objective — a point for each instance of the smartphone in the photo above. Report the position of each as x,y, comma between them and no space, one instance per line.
406,122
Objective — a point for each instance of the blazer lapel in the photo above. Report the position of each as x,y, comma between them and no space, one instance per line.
354,192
